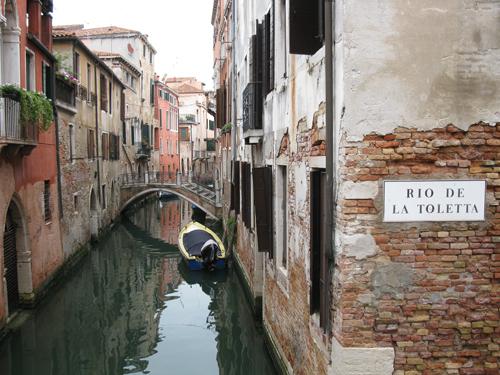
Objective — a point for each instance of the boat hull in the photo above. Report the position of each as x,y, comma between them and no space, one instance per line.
194,259
195,265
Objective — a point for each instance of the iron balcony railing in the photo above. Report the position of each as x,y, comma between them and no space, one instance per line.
252,107
143,152
12,130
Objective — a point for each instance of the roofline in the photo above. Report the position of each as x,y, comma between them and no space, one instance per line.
124,60
125,33
77,41
168,87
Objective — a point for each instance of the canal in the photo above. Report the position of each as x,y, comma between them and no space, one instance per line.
132,307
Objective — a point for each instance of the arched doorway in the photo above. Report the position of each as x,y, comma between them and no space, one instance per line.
16,259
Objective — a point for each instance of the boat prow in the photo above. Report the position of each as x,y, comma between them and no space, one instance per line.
201,248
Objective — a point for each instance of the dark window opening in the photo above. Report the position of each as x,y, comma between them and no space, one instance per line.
104,93
306,26
320,286
263,201
46,201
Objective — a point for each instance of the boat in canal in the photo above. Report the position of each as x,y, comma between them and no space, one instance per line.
201,248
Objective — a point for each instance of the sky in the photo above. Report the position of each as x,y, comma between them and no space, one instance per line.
180,30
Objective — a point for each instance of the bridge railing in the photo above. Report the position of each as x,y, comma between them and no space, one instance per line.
148,178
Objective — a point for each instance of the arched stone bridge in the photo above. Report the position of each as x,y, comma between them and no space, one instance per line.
134,187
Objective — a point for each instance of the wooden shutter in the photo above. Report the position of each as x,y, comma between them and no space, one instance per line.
246,194
265,38
263,201
306,26
236,183
271,48
122,106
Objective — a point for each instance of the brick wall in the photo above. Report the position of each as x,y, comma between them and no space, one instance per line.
286,294
430,290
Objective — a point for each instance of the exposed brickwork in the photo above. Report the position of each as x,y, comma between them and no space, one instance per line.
286,294
442,312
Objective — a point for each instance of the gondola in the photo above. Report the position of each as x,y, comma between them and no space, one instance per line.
201,248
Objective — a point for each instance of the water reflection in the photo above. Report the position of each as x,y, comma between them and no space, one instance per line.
134,308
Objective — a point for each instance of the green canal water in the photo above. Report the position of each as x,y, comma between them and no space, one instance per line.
132,307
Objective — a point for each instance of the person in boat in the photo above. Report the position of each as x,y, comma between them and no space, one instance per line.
209,254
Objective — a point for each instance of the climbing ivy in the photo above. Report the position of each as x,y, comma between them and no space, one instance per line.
36,108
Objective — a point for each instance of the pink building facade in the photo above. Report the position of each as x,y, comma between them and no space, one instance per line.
166,137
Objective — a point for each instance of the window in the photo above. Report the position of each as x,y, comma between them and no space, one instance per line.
132,135
90,144
124,132
30,71
103,197
184,134
157,138
75,202
71,143
152,92
46,201
263,201
144,50
161,146
282,216
320,291
105,146
161,118
150,57
89,83
47,80
76,64
167,118
110,93
306,26
268,52
104,93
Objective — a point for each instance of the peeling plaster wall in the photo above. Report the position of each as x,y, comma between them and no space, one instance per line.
420,64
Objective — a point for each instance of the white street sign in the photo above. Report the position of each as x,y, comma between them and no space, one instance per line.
444,200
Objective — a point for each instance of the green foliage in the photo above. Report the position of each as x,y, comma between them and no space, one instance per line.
227,128
35,107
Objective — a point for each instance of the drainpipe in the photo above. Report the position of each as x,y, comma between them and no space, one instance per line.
331,148
97,136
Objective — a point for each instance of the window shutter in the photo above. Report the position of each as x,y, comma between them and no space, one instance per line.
271,48
263,201
265,38
306,26
246,194
236,183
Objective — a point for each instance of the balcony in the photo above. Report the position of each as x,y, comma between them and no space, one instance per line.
143,152
13,133
252,113
188,119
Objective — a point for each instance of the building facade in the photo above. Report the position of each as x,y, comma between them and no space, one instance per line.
364,288
196,127
31,250
90,129
167,116
222,22
137,57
